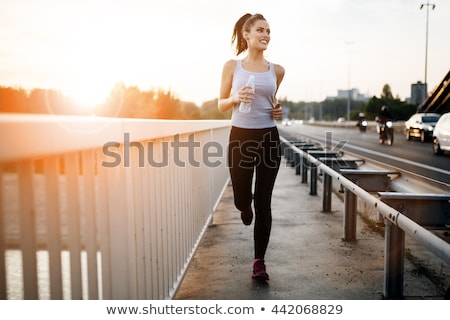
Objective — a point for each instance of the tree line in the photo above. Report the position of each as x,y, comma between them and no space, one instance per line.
332,109
132,102
122,101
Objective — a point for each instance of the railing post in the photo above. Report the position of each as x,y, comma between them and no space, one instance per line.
350,216
28,229
327,187
290,156
313,185
304,170
51,167
393,261
297,163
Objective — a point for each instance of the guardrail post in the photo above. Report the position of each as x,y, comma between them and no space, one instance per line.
350,216
327,188
297,163
284,146
288,154
393,261
313,185
304,170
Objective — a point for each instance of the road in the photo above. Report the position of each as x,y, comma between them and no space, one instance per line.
413,156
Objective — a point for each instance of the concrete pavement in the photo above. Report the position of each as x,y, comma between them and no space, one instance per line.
306,259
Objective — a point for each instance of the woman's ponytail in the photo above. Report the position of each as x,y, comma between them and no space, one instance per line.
243,24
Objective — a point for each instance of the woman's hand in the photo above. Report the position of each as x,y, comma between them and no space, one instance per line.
277,112
246,94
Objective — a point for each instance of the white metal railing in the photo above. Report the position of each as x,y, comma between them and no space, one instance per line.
117,205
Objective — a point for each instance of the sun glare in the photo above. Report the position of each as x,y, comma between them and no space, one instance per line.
87,97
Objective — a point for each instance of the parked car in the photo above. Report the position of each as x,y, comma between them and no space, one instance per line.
441,134
286,122
421,125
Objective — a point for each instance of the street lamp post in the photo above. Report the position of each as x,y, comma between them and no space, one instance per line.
428,5
348,84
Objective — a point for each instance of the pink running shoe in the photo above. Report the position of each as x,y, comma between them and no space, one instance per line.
259,270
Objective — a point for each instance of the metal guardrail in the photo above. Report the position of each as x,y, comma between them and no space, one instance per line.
396,222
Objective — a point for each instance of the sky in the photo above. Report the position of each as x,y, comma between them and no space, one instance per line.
84,47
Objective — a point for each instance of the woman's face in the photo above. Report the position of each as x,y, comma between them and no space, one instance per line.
259,35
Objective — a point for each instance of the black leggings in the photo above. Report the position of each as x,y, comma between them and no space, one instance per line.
250,150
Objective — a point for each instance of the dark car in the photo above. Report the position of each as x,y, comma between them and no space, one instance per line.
421,125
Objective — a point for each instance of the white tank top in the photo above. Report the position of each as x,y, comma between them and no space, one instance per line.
260,115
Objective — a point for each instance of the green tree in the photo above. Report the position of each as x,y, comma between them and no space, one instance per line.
116,102
49,101
210,110
399,109
190,111
13,100
386,93
131,102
